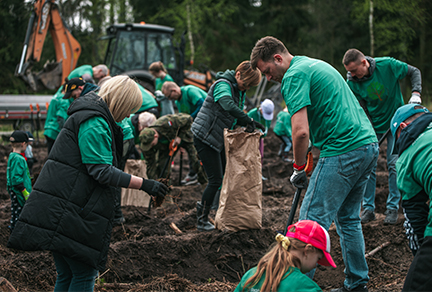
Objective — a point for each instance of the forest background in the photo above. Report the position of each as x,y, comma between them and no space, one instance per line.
224,32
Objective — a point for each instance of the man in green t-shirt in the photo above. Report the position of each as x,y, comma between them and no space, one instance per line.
324,110
57,110
188,100
375,83
411,126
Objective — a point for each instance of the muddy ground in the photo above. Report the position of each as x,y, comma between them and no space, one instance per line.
147,255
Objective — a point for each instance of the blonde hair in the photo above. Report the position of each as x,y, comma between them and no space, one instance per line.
276,262
122,95
168,85
146,119
250,77
157,67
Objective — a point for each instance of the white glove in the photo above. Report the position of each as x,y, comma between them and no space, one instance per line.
159,93
415,98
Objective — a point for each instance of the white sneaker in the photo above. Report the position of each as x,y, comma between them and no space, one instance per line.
190,180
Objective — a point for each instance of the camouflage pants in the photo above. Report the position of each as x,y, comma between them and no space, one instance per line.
163,156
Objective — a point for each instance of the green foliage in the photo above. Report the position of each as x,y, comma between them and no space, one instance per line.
224,32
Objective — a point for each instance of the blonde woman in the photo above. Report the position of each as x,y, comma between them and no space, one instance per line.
283,267
73,201
222,108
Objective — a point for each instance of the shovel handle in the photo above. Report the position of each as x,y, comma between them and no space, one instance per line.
293,209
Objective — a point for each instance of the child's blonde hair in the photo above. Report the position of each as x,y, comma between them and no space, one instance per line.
276,262
122,95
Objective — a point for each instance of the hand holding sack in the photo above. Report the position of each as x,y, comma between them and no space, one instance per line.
253,125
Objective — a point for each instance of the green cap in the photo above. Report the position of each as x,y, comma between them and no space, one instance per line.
146,138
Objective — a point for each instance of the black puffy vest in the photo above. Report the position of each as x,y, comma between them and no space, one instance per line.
212,119
68,211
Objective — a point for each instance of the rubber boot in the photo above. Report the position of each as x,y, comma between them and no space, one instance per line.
202,216
215,204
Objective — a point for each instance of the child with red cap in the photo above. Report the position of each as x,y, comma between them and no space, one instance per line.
282,269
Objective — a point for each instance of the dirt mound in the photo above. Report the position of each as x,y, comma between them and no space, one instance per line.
146,254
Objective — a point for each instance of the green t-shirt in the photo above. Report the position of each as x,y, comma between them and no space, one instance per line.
80,71
256,115
94,140
294,282
381,91
127,129
18,173
337,123
414,171
159,82
190,95
51,127
283,124
148,100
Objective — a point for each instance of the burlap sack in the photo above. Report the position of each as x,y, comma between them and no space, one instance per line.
240,205
131,197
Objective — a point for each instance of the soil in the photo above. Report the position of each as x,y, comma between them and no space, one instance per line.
146,254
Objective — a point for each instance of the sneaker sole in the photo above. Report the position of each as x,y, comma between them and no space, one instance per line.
193,182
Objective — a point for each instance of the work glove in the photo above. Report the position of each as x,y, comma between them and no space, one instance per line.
415,98
299,177
154,188
26,194
252,125
159,95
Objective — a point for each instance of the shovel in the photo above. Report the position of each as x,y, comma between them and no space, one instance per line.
172,150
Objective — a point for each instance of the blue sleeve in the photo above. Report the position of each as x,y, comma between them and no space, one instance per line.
199,105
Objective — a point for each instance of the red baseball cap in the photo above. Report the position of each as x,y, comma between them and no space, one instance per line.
311,232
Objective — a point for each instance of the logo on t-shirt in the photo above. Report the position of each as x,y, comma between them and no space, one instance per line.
375,91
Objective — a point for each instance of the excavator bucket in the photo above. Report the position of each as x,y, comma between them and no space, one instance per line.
49,77
46,17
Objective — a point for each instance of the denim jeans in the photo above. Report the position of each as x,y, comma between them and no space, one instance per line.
335,193
394,195
288,143
73,275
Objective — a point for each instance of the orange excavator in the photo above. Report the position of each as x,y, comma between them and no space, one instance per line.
46,16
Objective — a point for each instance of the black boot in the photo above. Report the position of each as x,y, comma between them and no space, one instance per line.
202,216
215,204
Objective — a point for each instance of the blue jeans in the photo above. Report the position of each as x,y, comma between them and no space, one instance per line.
394,195
73,275
288,143
335,193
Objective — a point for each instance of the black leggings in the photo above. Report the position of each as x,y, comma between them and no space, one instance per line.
214,165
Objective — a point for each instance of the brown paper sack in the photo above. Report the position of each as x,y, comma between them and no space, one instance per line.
131,197
240,205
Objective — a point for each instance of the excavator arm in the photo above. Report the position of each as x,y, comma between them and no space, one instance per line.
44,17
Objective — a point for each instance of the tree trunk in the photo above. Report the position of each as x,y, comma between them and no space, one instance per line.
371,9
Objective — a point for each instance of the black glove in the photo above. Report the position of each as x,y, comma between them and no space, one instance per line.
154,188
299,179
252,125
